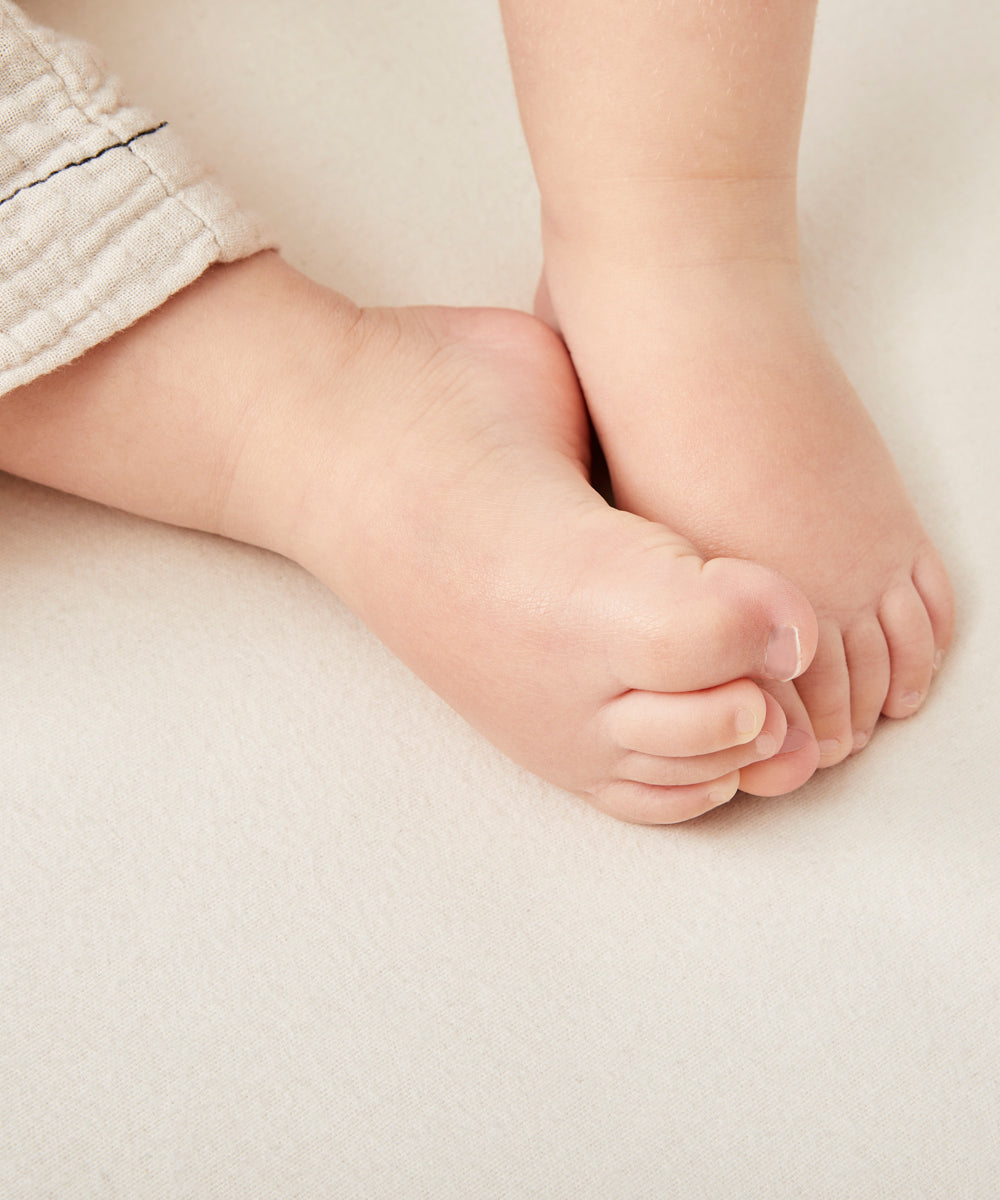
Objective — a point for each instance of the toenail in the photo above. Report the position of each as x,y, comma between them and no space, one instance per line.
911,699
795,739
765,745
861,739
783,658
747,723
938,660
829,747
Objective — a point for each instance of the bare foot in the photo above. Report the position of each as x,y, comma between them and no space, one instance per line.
723,413
592,646
430,466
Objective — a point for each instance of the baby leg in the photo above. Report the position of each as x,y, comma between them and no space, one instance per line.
665,142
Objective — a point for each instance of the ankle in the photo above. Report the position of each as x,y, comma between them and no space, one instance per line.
299,355
678,222
187,417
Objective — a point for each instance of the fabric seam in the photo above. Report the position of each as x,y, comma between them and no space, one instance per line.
21,21
89,159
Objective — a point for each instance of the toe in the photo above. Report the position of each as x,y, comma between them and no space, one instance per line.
683,724
642,804
700,768
797,757
825,690
934,588
909,634
868,666
765,615
706,623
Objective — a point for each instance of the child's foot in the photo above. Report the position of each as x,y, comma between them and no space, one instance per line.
723,413
450,507
428,465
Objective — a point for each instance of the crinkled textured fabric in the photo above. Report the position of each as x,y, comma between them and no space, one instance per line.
104,213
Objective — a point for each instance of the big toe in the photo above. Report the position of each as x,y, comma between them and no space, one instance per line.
825,690
709,622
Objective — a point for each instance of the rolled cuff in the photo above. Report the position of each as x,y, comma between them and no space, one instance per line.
104,212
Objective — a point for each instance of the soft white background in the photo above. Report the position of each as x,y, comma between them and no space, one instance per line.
275,923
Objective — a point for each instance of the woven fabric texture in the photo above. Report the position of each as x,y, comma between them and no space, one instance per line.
104,213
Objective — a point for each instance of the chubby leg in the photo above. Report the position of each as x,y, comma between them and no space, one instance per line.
429,466
665,139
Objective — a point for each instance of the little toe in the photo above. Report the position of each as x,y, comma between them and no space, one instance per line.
684,724
825,690
643,804
798,755
909,634
868,666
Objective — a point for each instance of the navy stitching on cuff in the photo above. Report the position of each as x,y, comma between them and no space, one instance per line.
59,170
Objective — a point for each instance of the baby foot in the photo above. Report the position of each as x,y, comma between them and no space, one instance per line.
723,413
430,466
438,485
